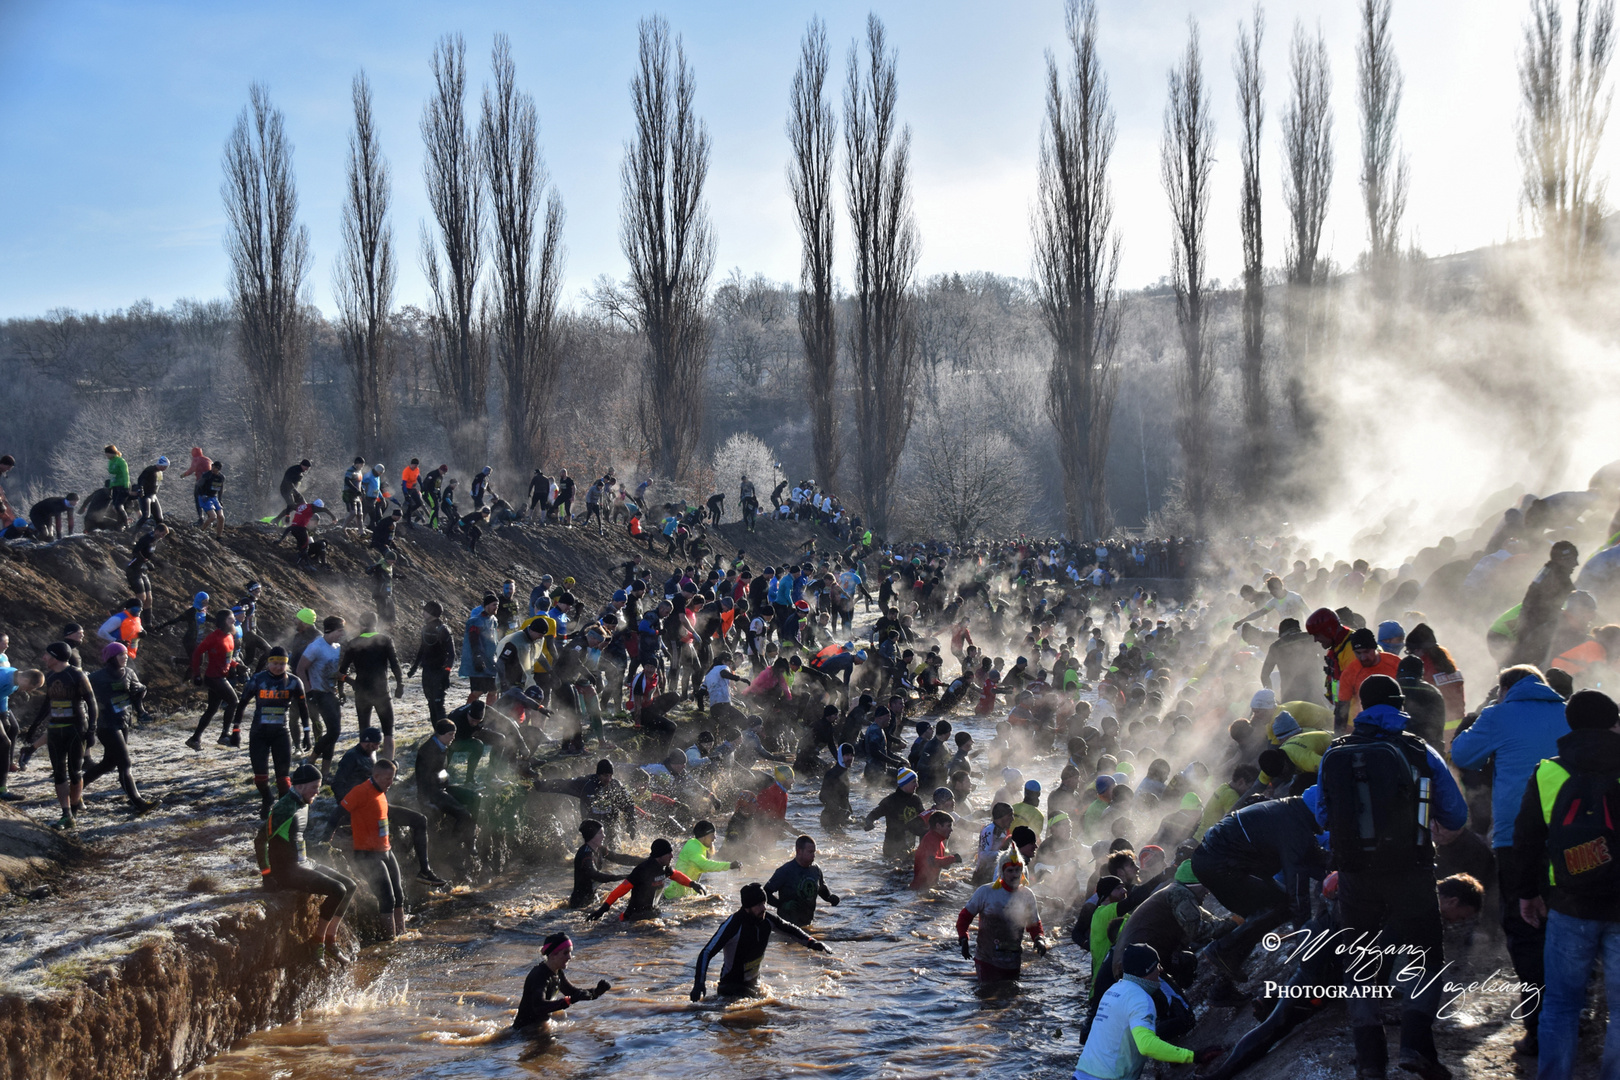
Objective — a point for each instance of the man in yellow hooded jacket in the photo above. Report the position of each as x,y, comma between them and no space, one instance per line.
694,860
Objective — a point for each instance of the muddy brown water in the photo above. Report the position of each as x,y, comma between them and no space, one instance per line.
895,998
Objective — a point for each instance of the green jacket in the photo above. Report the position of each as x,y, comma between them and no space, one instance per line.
693,861
118,469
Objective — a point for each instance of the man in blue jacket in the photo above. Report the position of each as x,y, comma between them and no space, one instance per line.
1523,727
1385,858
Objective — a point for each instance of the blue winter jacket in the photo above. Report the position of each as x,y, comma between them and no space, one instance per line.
1520,730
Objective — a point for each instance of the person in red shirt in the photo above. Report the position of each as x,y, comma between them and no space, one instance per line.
303,516
931,859
772,801
211,662
367,804
1370,660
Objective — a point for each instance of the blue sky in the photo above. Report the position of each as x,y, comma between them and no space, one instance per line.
113,117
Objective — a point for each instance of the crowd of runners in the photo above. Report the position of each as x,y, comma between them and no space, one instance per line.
1253,744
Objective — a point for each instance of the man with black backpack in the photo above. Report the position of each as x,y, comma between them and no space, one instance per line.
1378,788
1565,842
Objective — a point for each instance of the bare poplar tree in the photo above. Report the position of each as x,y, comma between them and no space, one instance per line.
269,252
669,243
1564,109
1383,166
1186,157
364,279
527,268
1307,177
882,342
1076,261
812,131
452,261
1251,83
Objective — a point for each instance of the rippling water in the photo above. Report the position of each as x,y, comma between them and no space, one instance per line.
895,999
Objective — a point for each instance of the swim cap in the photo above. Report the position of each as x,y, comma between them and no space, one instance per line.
1191,801
1104,784
660,847
568,581
112,650
906,777
1010,775
163,462
753,894
1033,786
556,941
306,616
784,775
1184,873
320,505
305,774
200,599
1057,817
1263,699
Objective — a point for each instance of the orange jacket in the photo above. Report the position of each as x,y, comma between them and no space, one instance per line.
410,477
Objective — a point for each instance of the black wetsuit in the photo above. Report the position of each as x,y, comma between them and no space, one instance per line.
743,938
606,801
835,808
270,737
117,692
372,657
435,655
793,889
287,862
140,561
898,809
546,991
68,704
588,873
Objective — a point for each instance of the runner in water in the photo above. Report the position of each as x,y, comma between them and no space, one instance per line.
743,938
547,990
1005,909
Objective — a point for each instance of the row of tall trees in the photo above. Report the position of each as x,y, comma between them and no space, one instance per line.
493,252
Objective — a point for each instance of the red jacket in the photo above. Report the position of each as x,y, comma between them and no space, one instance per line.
217,648
772,802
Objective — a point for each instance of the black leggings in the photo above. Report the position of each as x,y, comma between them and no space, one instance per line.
319,880
66,745
8,744
220,692
267,742
115,755
382,874
367,700
329,715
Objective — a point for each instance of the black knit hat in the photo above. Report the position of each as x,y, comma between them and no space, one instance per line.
661,847
1591,710
1381,690
1140,959
753,894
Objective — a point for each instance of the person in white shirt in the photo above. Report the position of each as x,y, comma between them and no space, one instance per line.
718,685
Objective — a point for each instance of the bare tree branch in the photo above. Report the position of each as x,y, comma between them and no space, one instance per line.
526,279
1186,158
669,243
882,342
1076,260
812,131
1564,109
1251,83
364,279
269,252
452,261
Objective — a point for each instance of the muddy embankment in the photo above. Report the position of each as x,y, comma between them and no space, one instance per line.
142,945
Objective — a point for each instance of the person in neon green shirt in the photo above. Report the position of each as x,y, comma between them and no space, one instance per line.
694,860
1028,813
1100,941
1124,1035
